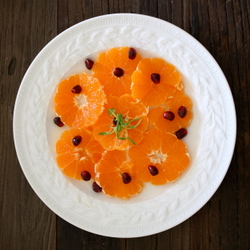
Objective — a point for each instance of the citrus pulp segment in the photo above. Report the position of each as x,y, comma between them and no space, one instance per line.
77,151
116,175
164,152
114,69
154,80
79,100
131,112
180,105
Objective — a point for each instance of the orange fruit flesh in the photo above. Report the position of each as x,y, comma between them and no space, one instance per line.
172,104
75,159
148,92
109,172
82,109
103,69
162,150
128,107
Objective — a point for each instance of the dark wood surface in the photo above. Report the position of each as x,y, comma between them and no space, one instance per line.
222,26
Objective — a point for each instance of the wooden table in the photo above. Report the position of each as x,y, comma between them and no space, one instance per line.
221,26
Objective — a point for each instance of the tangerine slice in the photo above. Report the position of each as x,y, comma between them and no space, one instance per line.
116,175
75,156
114,69
79,100
164,152
180,105
154,81
130,109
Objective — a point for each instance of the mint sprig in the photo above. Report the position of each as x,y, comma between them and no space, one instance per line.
121,124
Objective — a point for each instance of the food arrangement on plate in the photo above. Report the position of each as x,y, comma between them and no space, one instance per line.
143,165
126,119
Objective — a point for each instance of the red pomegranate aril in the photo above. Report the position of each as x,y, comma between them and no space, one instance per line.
96,187
89,64
126,178
114,122
118,72
77,89
182,111
155,77
132,53
181,133
77,140
153,170
169,115
58,121
86,175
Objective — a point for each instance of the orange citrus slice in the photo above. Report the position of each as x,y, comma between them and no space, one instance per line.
154,81
77,151
116,175
79,100
160,157
131,112
175,114
114,69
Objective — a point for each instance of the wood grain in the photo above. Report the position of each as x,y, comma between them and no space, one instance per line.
25,222
223,27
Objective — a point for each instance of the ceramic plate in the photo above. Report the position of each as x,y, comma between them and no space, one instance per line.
210,140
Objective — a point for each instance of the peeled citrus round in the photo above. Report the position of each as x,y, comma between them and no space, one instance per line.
79,100
105,129
154,80
163,153
117,176
176,113
114,69
77,151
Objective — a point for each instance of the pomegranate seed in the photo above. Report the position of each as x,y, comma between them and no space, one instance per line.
132,53
77,140
96,187
153,170
181,133
182,111
118,72
126,178
86,175
114,122
77,89
89,63
169,115
58,121
155,77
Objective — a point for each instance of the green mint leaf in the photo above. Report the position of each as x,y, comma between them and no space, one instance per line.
118,128
105,133
111,112
116,132
119,118
121,123
135,119
134,126
131,141
122,138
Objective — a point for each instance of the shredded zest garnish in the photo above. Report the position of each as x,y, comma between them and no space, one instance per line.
121,124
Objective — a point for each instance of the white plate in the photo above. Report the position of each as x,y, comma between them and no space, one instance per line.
211,137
